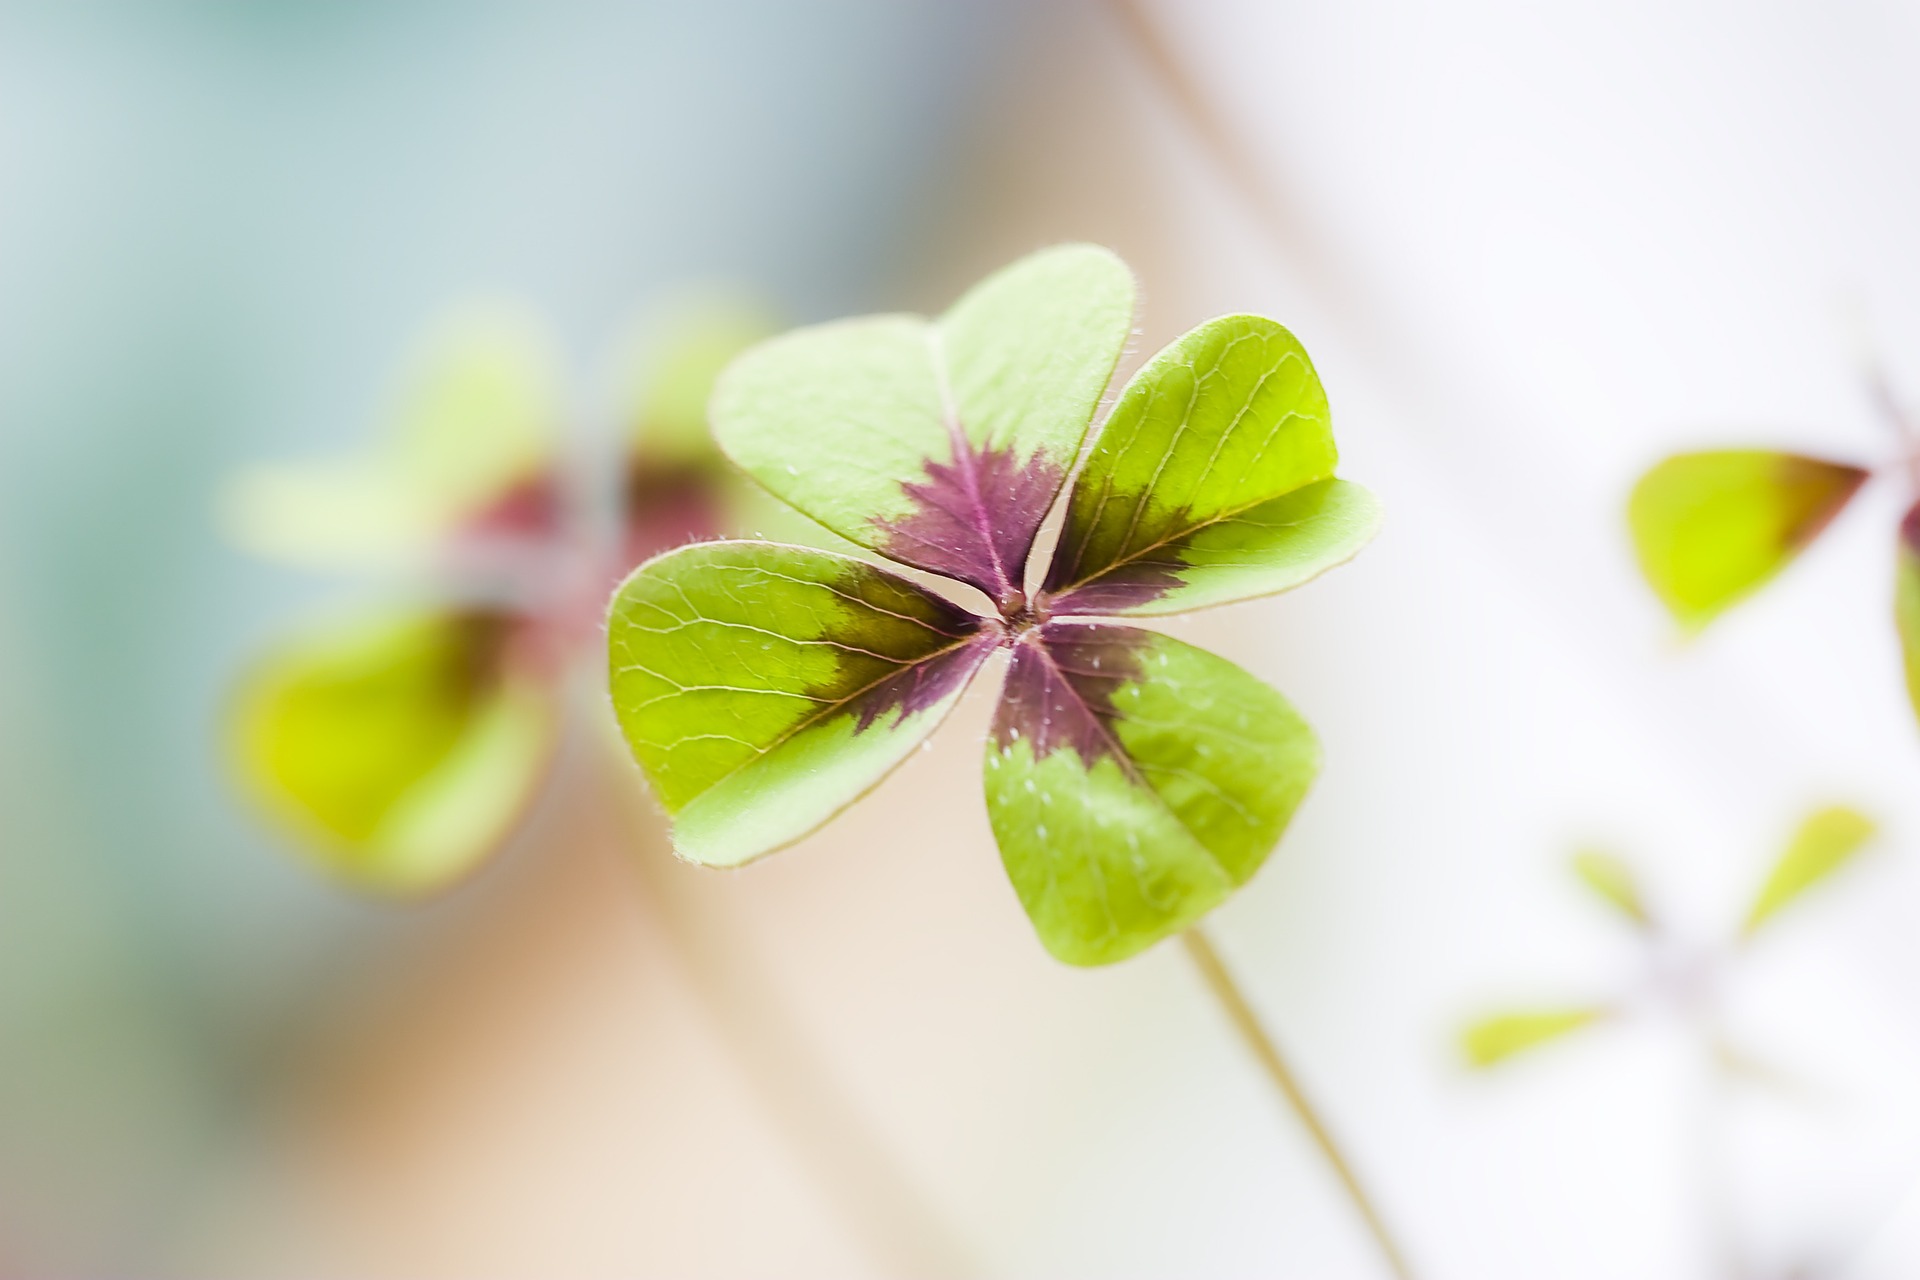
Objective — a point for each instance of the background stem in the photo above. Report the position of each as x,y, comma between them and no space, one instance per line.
1220,982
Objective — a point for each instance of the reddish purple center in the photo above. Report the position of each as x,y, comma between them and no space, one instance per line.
975,518
1060,687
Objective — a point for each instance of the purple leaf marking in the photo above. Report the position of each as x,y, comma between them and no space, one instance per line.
1060,687
975,518
667,504
1134,580
527,510
925,683
1124,587
1831,486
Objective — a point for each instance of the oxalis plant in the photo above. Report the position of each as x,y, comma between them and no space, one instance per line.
1689,979
1133,782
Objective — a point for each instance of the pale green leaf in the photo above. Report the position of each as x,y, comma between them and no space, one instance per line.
1742,1063
677,487
1197,491
1614,883
670,366
1906,601
1710,528
1825,842
1493,1040
1133,782
476,421
400,747
764,688
938,443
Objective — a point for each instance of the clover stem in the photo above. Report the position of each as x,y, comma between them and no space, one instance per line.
1221,983
1890,407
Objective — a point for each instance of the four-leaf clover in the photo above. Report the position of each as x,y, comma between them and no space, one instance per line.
1132,781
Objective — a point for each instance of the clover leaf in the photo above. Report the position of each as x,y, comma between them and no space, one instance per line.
1612,881
473,434
1497,1037
1132,781
399,743
1823,843
1711,528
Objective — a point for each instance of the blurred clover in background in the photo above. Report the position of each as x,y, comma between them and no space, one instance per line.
1826,841
400,741
1711,528
1689,981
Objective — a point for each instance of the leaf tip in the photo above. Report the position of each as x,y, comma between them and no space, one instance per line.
1824,843
1497,1038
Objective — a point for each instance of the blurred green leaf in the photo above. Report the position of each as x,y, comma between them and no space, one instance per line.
1741,1063
671,366
401,747
1613,881
1493,1040
677,487
1824,843
1906,600
476,424
1709,528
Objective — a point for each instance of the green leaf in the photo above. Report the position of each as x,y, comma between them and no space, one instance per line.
941,444
401,746
1710,528
1197,491
764,688
673,366
677,487
1271,548
1825,842
1133,782
1906,600
1613,881
1492,1040
476,423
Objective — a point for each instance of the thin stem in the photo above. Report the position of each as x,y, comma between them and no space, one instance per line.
1892,410
848,1163
1220,982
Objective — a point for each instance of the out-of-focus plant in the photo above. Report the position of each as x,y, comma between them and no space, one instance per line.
401,741
1711,528
1133,782
1681,975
